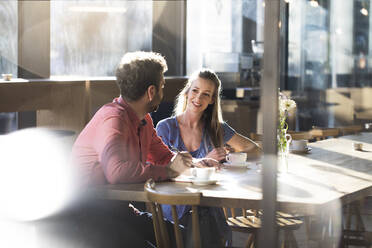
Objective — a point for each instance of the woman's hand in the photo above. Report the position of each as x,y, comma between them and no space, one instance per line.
218,154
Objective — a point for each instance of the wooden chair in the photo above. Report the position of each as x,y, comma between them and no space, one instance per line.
250,222
353,129
156,199
255,136
301,135
320,133
355,235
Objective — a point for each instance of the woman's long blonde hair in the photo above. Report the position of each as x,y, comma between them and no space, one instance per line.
212,116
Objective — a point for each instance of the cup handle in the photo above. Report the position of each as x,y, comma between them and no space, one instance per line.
288,138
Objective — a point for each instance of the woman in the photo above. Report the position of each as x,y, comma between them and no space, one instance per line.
197,126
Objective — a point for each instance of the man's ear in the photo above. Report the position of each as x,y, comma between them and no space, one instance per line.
151,92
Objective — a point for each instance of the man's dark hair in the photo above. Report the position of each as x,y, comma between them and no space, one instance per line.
137,71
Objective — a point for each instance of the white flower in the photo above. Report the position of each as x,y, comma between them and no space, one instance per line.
285,105
289,104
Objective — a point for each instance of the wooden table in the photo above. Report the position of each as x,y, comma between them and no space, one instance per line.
333,173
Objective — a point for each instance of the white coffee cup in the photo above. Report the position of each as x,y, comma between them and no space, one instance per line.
358,146
236,157
204,173
7,77
298,145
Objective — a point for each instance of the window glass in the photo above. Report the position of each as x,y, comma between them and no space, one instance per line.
8,54
216,34
328,62
88,38
8,37
219,36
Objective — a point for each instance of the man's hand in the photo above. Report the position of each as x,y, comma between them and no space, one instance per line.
179,163
206,162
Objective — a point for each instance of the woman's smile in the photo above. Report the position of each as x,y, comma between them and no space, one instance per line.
200,94
196,104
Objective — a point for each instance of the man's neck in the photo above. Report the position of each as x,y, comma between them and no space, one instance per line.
139,107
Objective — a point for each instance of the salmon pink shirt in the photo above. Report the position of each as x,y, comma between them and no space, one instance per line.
117,147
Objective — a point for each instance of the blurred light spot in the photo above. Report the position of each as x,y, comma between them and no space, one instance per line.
314,3
36,179
17,235
362,62
338,31
364,11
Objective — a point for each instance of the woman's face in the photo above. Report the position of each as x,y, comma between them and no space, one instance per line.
200,95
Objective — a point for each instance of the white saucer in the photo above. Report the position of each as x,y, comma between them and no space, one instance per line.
237,165
307,150
192,179
203,182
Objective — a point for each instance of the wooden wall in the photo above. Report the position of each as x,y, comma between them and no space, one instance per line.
67,105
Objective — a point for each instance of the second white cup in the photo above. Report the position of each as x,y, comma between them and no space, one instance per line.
358,146
298,145
236,157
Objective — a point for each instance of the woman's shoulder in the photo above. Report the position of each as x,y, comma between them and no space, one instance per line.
228,131
167,121
167,128
225,125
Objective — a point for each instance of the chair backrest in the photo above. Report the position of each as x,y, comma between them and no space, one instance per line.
320,133
156,199
239,212
255,136
300,135
352,129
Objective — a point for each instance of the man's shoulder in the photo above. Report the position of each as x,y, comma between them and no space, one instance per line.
113,109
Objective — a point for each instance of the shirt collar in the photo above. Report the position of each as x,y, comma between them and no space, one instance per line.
131,113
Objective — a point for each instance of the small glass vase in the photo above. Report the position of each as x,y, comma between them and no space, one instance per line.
283,161
283,152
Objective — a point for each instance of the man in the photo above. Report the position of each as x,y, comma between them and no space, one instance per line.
120,145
